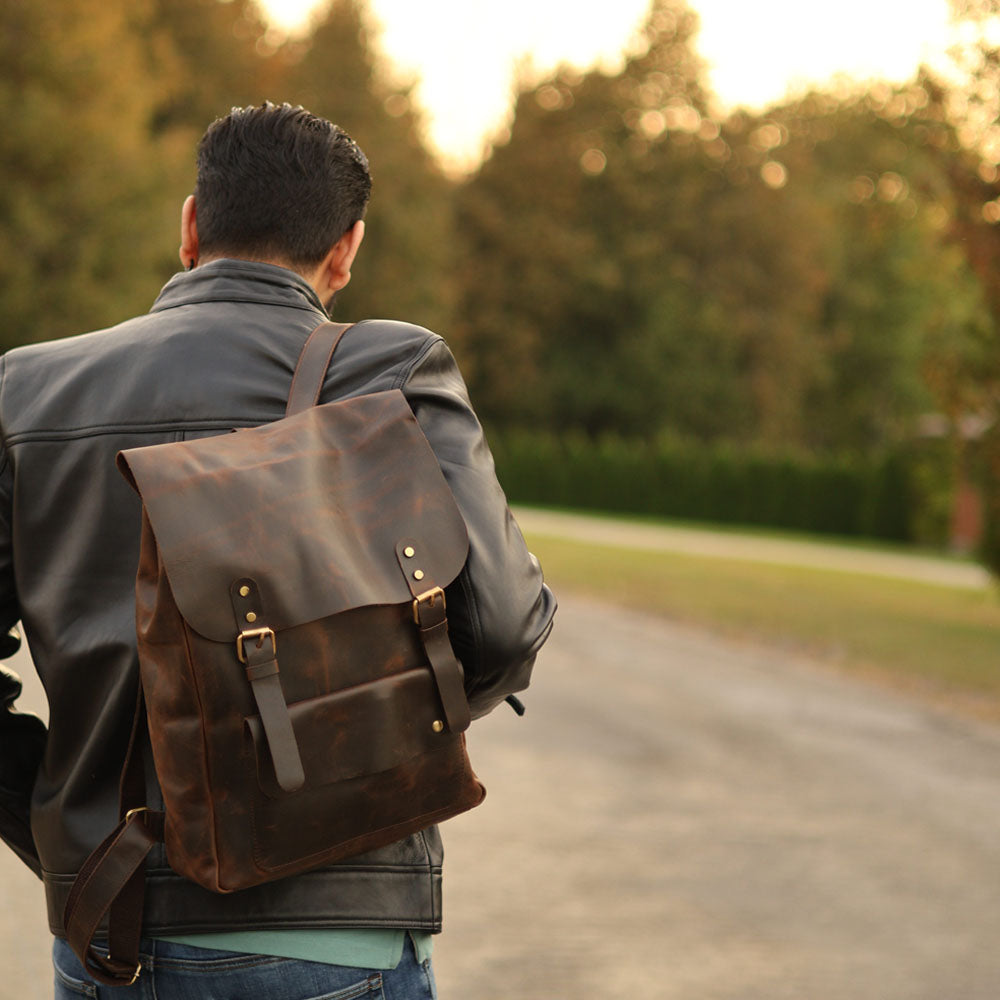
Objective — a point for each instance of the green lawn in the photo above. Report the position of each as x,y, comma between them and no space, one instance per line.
936,641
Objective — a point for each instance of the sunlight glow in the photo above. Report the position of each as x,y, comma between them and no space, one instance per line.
466,57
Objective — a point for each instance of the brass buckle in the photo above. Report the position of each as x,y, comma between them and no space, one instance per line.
135,812
430,596
254,633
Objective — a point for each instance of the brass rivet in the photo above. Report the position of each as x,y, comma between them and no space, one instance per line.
438,726
418,574
251,616
244,591
409,552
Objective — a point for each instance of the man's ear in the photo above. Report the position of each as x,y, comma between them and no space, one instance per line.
335,271
189,234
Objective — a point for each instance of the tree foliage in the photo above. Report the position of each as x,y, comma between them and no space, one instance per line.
633,264
405,267
81,223
104,102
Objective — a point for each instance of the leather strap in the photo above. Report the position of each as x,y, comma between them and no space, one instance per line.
432,622
310,371
113,879
267,692
257,648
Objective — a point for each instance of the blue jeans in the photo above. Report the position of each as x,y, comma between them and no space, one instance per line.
180,972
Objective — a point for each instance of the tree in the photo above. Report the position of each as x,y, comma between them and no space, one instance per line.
81,218
98,152
969,378
897,292
405,271
212,55
633,265
626,270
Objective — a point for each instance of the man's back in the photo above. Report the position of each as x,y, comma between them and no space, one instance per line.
217,352
268,239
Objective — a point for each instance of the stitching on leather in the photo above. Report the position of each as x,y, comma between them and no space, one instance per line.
408,371
430,875
204,744
428,818
77,433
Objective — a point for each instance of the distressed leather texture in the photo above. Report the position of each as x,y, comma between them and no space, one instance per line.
217,352
348,750
253,504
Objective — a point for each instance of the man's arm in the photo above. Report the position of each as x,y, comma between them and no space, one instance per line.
22,735
499,610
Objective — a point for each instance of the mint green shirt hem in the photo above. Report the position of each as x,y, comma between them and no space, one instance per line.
361,948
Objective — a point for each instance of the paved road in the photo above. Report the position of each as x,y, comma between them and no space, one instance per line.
684,817
681,817
753,548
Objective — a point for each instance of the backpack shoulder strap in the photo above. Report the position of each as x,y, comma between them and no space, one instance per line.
310,371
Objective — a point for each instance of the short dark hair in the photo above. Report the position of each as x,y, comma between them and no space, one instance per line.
278,183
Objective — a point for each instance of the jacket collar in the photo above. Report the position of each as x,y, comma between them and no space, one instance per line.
228,280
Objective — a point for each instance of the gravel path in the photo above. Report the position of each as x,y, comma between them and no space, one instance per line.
685,818
682,817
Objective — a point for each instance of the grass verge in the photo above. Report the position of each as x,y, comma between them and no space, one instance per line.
933,641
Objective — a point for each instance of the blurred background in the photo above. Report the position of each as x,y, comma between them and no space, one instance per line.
723,280
796,304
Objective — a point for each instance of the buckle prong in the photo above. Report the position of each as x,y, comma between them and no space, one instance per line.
430,596
260,634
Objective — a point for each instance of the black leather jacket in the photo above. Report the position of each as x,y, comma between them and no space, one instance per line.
216,351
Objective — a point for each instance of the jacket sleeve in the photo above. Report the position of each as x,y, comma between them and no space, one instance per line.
22,735
499,609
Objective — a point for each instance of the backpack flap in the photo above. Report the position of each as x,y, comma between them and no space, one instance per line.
310,507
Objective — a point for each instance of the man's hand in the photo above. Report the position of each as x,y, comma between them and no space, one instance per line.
10,644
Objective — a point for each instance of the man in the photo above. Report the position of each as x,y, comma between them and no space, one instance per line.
267,240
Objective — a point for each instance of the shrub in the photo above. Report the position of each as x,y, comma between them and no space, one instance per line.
881,496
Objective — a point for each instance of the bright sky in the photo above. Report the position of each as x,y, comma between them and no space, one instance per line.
465,53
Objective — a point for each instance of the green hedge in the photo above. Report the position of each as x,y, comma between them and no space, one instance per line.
894,496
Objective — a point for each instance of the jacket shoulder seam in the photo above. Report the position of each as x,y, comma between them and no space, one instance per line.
97,430
407,373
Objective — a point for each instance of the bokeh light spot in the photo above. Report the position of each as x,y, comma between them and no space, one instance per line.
774,174
991,212
549,97
892,187
652,124
708,130
593,162
766,137
861,189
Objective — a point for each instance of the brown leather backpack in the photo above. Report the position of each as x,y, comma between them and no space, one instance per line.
302,698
